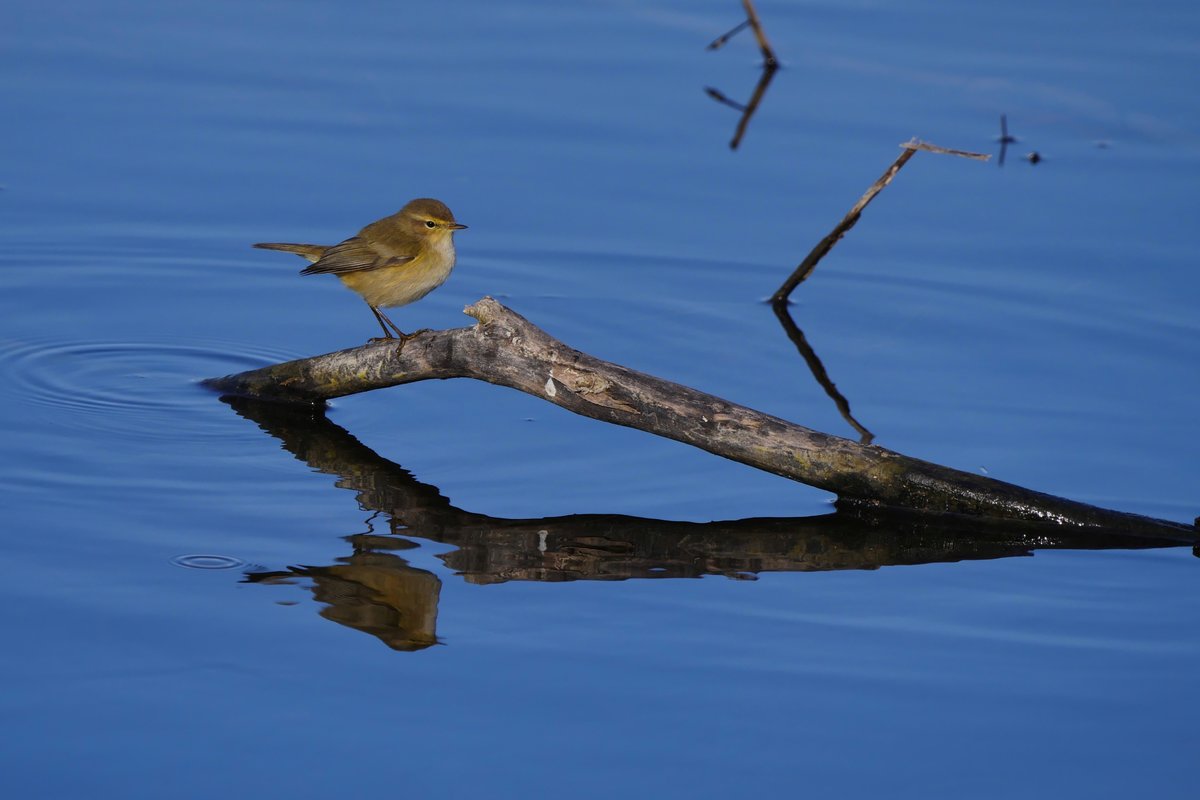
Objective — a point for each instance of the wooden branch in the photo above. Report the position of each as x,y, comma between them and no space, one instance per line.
805,268
505,349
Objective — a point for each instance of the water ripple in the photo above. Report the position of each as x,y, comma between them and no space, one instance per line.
142,389
207,561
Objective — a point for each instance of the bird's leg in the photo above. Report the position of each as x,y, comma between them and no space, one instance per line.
384,322
386,333
392,325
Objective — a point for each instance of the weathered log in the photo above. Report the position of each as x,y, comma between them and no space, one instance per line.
504,348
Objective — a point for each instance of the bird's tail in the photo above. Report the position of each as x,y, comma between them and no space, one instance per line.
312,252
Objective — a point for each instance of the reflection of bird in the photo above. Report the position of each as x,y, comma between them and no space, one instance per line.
392,262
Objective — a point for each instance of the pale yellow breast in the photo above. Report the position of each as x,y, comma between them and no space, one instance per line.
399,286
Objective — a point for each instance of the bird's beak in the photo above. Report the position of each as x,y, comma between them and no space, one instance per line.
456,226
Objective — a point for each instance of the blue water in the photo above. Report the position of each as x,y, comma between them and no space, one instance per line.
195,607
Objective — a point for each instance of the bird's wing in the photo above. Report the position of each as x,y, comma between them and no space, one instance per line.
352,255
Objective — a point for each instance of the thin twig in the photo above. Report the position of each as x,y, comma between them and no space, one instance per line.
917,144
806,266
809,263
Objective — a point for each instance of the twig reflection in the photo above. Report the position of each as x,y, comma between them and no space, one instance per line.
818,370
770,67
377,591
1005,139
747,110
779,300
760,35
723,39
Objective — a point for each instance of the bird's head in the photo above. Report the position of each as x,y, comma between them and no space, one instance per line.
427,217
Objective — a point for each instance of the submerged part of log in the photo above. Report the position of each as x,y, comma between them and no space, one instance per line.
506,349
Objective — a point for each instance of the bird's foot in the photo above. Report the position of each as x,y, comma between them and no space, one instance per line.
401,338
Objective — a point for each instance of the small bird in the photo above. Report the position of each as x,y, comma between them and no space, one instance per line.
393,261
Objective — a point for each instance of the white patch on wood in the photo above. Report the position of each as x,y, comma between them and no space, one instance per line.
550,390
542,540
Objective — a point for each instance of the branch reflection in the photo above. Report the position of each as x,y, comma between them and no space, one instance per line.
376,590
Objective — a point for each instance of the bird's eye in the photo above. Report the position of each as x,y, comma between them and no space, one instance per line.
430,223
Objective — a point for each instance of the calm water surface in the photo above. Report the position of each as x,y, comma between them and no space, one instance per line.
211,601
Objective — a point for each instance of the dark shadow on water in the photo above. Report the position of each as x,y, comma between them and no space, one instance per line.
770,67
376,590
